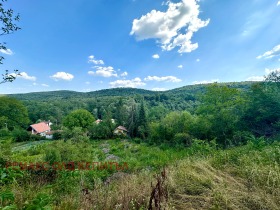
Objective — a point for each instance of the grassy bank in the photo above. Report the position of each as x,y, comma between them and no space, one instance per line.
199,177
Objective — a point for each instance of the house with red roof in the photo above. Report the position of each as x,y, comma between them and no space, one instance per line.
42,128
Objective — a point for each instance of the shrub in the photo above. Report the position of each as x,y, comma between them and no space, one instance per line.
52,155
20,135
183,139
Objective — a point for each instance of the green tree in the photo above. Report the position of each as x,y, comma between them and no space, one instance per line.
132,121
222,107
142,123
79,118
262,116
8,26
13,113
120,114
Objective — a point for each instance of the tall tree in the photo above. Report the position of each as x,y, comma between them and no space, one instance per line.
221,107
8,26
142,124
120,114
132,121
13,113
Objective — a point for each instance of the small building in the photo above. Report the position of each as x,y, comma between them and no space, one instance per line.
120,130
98,121
41,128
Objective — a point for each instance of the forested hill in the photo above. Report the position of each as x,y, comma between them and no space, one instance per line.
66,94
55,105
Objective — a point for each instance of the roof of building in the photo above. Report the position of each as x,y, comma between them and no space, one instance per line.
41,127
122,128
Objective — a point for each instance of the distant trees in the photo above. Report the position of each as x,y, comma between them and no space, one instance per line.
78,118
8,26
12,113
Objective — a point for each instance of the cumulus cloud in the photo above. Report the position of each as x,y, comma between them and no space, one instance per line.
271,53
268,71
136,82
91,59
278,3
155,56
104,71
180,66
45,85
124,74
173,28
62,76
205,81
24,75
159,89
262,78
163,79
7,51
255,78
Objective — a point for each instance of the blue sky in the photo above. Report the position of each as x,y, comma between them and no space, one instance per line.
87,45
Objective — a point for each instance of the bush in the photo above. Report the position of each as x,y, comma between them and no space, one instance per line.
57,135
52,155
4,132
20,135
183,139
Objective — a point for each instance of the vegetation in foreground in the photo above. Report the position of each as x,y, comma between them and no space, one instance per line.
199,177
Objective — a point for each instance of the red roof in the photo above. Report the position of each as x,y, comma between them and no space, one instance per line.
121,128
41,127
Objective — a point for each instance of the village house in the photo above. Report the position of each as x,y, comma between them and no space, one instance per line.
42,129
120,130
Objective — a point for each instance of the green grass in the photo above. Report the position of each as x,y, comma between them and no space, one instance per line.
199,177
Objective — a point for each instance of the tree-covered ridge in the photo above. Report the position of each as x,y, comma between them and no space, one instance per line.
66,94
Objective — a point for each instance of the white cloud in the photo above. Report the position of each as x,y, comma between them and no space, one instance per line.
159,89
45,85
278,3
198,60
62,76
91,59
24,75
205,81
124,74
255,78
270,54
104,71
173,28
163,79
261,78
155,56
268,71
7,51
34,83
87,83
136,82
180,66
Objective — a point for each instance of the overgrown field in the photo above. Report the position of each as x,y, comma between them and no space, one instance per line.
199,177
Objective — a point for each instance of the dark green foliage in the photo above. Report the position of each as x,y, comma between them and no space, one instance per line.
142,122
21,135
183,139
13,113
262,115
57,135
78,118
222,107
